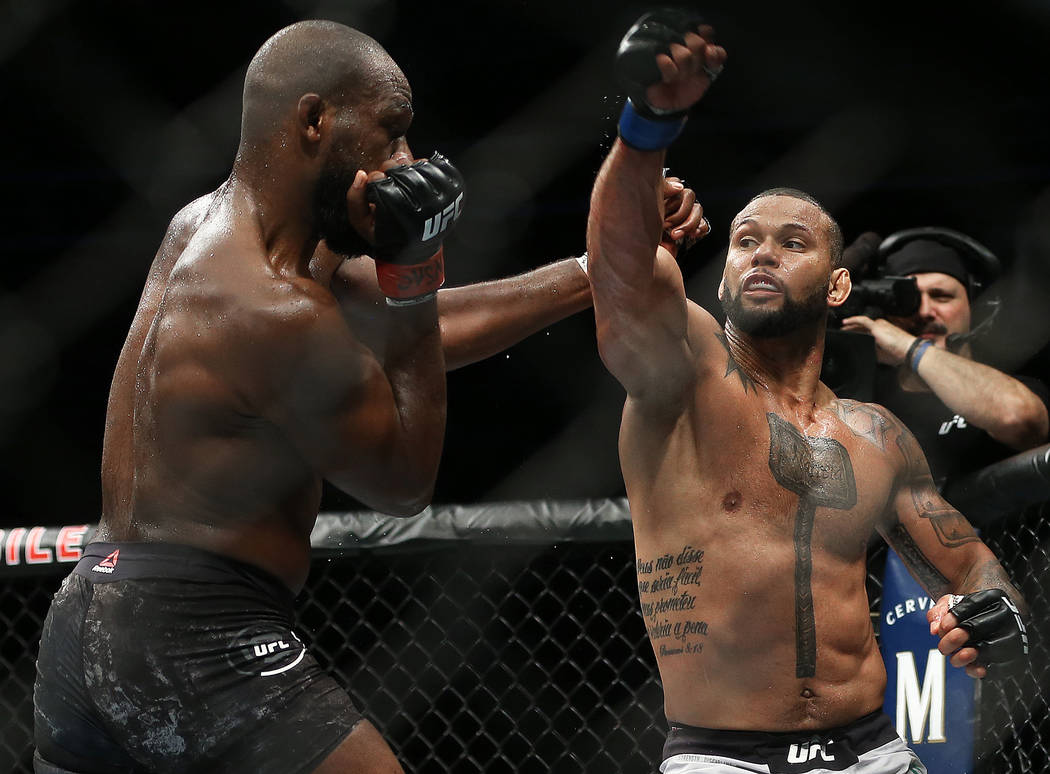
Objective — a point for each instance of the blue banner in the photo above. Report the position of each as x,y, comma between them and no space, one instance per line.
930,701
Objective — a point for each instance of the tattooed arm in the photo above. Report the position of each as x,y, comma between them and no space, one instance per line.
939,546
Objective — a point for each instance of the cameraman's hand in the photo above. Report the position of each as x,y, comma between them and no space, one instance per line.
891,343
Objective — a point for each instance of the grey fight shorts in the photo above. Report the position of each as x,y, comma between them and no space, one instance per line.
866,746
164,658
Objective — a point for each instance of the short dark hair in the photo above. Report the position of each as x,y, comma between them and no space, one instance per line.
834,232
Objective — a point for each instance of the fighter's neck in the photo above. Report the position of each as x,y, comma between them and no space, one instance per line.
786,366
279,209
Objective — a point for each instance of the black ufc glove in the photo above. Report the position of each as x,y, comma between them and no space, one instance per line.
416,207
636,66
995,625
643,126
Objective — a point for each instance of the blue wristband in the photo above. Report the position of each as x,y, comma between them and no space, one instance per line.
647,134
919,352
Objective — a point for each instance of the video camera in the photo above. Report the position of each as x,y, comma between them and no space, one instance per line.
878,294
881,297
849,358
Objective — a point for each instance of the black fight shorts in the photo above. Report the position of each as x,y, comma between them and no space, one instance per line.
164,658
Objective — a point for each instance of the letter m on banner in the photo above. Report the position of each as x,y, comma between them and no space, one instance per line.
921,703
931,701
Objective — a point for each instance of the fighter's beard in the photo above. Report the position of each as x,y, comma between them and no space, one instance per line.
764,323
331,216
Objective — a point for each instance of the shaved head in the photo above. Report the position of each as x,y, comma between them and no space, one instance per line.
338,63
321,102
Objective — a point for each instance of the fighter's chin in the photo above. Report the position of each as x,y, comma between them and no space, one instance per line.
761,323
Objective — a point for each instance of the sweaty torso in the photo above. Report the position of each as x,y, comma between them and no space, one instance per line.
191,452
751,533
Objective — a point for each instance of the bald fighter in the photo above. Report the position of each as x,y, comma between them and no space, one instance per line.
753,489
240,386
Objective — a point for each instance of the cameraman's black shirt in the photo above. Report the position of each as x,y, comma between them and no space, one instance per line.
953,447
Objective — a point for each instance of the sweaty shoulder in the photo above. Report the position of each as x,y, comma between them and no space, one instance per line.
185,224
301,321
877,426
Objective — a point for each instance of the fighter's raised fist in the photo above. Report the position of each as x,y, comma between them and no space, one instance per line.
667,60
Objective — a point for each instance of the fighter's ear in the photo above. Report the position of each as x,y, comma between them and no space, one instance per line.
309,114
722,288
839,286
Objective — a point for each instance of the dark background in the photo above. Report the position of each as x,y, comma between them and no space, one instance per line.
895,114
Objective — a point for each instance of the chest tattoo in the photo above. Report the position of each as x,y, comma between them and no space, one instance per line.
819,471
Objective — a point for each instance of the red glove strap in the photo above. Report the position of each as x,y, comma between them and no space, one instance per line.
404,281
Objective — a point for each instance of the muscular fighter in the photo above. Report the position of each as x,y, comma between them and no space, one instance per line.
240,387
753,490
261,361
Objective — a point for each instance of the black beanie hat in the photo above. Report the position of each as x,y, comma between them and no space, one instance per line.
925,255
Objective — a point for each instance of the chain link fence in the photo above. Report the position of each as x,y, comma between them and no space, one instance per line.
517,655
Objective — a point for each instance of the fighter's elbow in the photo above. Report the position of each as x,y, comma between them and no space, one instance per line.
406,508
401,502
412,501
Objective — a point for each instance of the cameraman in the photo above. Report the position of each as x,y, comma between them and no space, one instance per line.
965,414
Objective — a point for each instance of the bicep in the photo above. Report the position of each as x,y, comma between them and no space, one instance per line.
935,541
333,399
647,331
340,407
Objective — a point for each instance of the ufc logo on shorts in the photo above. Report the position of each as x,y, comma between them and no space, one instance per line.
435,224
807,751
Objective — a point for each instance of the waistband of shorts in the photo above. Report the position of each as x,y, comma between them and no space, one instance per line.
103,562
862,735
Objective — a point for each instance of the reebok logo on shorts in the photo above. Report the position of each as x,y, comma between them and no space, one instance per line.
108,564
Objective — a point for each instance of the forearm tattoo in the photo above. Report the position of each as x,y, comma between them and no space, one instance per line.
731,366
820,472
669,583
929,577
989,575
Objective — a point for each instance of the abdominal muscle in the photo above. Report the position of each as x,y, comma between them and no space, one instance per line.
720,612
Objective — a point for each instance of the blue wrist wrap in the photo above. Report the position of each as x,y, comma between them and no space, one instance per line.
647,134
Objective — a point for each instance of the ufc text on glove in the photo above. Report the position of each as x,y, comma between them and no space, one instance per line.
416,208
